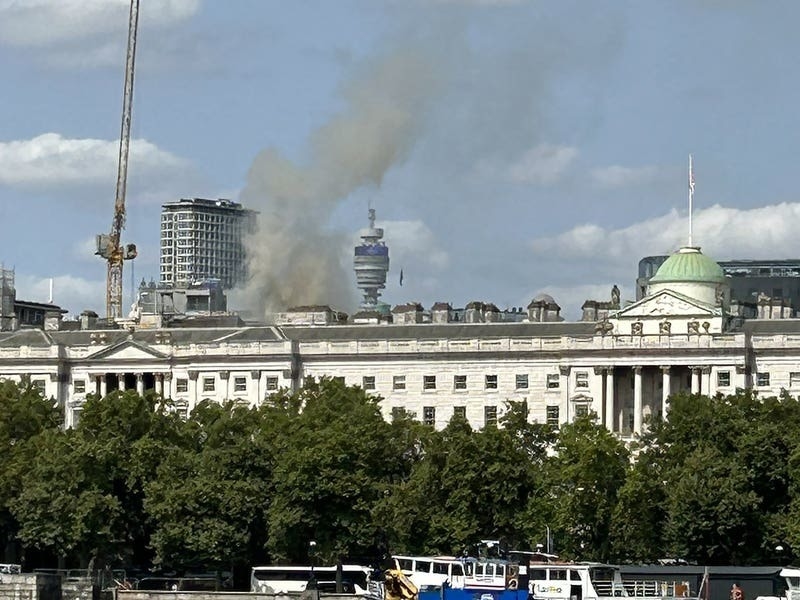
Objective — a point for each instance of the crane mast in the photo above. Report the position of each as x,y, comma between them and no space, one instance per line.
109,246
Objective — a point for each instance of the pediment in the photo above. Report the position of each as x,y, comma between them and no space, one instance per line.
127,350
667,304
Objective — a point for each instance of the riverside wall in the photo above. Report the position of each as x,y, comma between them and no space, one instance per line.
208,595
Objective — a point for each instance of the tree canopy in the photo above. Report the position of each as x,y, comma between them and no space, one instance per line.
135,484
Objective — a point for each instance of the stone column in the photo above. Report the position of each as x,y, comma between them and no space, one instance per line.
140,384
666,384
121,382
564,371
255,377
637,399
159,384
192,390
167,387
226,392
705,382
695,380
609,416
103,386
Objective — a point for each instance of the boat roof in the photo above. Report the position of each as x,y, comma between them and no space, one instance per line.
790,572
303,567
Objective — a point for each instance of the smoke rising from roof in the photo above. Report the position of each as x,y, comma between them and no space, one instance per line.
295,258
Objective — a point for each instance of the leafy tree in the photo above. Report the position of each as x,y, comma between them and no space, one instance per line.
744,440
24,414
711,510
334,460
471,485
60,508
638,519
586,473
82,495
207,502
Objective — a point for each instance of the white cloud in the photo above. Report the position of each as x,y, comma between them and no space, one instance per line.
43,23
544,164
616,176
413,242
84,249
724,233
482,2
72,293
50,160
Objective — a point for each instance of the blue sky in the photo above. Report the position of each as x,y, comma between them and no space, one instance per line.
509,147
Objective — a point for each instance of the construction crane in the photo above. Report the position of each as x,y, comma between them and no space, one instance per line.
109,246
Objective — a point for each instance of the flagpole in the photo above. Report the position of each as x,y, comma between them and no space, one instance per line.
691,197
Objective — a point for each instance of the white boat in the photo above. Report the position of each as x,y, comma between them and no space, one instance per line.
282,579
486,574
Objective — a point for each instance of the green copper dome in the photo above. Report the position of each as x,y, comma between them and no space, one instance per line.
690,265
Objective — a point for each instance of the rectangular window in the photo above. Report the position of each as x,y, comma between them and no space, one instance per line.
272,384
181,385
491,382
240,384
489,415
429,415
762,379
397,413
460,412
208,384
552,381
39,385
429,382
522,381
794,379
552,416
399,382
79,386
581,410
724,378
460,382
368,382
582,379
339,379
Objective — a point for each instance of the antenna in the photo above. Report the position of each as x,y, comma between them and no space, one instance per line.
691,198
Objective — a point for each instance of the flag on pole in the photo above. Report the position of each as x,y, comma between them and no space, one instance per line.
401,276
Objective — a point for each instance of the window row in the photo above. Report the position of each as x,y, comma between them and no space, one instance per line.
489,414
490,382
209,384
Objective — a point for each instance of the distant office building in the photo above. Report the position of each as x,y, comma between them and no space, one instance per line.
752,282
204,240
22,314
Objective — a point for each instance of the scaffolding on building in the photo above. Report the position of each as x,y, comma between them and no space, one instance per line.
8,295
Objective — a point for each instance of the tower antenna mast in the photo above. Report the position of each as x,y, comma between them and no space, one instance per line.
109,246
691,198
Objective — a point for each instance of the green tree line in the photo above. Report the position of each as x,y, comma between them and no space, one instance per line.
232,486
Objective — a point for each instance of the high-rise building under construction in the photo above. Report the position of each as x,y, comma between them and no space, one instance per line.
203,240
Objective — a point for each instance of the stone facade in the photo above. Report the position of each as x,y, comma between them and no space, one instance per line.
622,366
622,370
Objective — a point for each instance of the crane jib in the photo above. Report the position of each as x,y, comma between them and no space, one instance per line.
110,246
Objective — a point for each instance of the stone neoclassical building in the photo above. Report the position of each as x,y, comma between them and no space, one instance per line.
622,363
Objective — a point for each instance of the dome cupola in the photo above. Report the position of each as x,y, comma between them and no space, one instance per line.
692,273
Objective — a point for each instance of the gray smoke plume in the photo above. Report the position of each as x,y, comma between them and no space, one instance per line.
294,258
